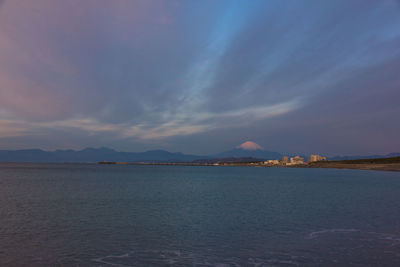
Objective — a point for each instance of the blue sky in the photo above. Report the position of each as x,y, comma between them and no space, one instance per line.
201,76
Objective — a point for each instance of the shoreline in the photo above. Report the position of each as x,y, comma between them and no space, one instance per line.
320,165
375,165
357,166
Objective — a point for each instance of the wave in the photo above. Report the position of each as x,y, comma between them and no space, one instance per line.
315,234
179,258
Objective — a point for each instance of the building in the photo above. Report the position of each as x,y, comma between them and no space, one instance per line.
313,158
271,162
285,160
296,160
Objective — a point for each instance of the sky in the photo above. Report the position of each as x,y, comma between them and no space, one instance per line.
201,77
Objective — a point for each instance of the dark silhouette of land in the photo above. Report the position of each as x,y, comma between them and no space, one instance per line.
379,164
235,157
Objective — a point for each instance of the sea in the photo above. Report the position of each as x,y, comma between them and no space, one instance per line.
132,215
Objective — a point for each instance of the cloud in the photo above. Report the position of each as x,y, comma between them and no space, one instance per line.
135,73
181,125
12,129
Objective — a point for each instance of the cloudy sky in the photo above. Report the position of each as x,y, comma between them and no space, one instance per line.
201,76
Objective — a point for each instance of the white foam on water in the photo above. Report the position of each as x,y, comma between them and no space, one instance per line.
169,257
395,240
176,253
272,261
103,260
289,262
176,257
385,236
315,234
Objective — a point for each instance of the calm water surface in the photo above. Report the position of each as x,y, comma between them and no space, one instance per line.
107,215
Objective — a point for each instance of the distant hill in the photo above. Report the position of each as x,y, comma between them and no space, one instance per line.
238,154
248,151
391,155
226,160
243,153
92,155
370,161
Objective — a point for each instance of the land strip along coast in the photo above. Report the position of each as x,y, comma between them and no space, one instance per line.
379,164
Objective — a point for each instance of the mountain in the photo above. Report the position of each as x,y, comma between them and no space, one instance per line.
92,155
249,149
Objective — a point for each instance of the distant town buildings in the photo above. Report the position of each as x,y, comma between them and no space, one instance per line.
296,160
272,162
313,158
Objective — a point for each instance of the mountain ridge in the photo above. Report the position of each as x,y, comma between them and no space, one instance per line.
91,154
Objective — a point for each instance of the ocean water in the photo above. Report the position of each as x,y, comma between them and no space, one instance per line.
124,215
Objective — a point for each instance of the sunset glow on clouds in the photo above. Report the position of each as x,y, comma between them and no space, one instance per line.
200,76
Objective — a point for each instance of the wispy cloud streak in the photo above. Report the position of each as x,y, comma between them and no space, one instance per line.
133,73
